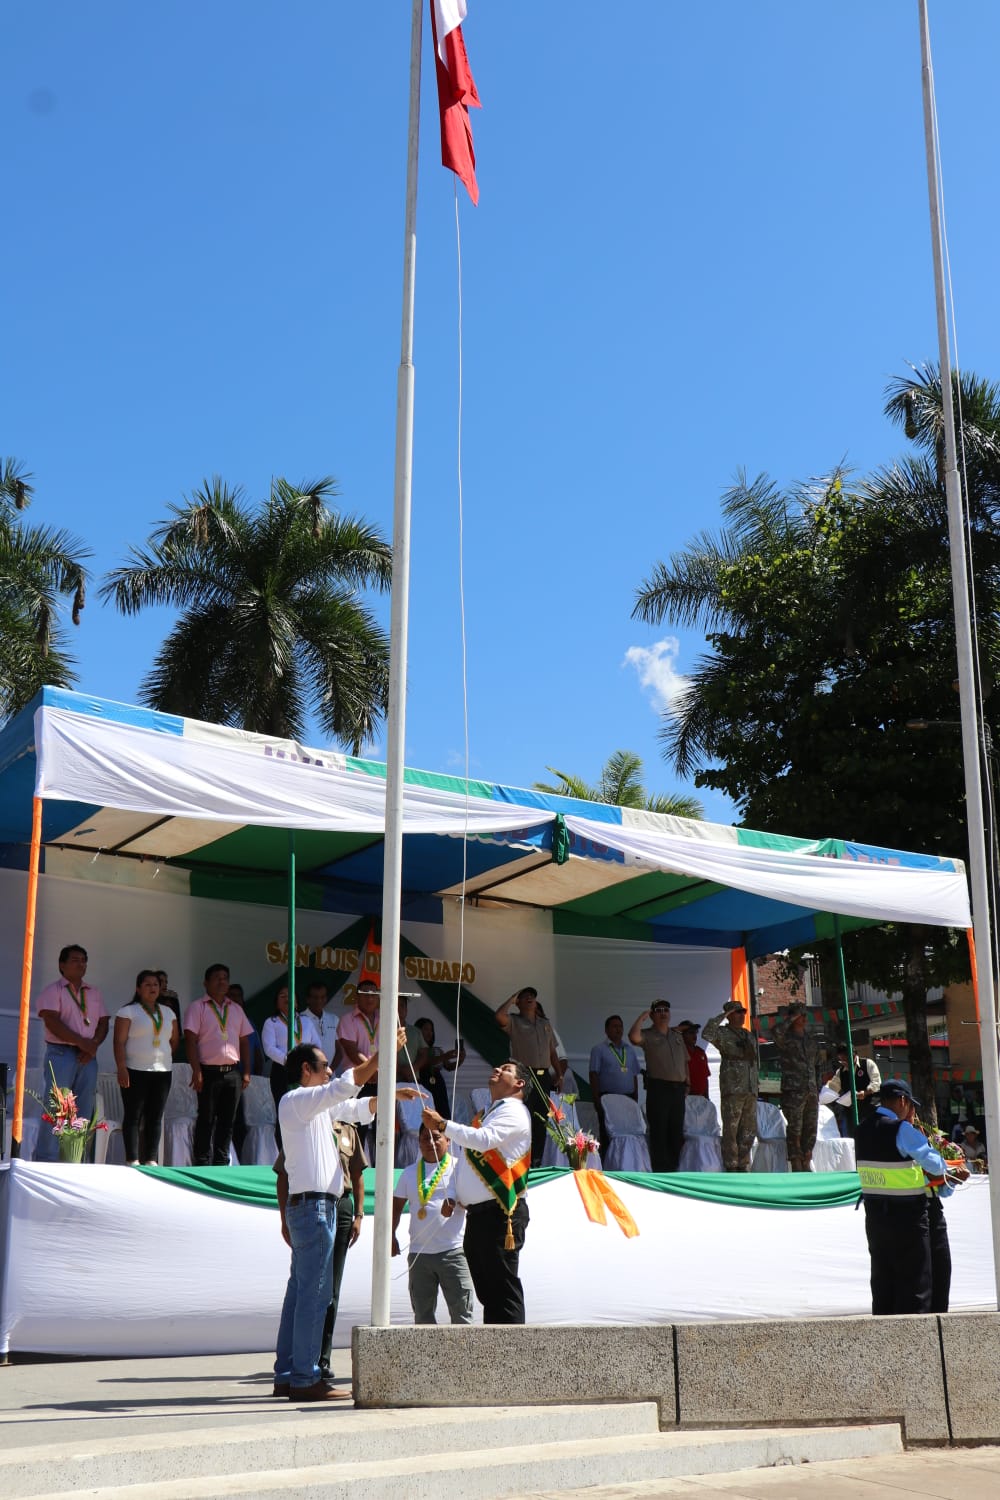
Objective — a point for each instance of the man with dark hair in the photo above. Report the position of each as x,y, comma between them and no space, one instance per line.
533,1043
325,1020
615,1066
491,1176
739,1081
217,1042
903,1180
315,1181
798,1056
76,1024
867,1081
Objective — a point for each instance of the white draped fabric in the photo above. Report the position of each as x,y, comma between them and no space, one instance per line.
832,1151
894,893
90,1292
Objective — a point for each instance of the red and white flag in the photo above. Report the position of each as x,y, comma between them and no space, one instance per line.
456,92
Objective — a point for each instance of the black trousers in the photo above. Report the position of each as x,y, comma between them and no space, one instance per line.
665,1115
899,1244
341,1245
494,1269
278,1080
142,1122
940,1256
221,1091
538,1108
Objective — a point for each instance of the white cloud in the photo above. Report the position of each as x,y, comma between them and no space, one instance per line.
658,674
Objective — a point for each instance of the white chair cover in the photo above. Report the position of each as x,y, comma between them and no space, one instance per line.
832,1151
771,1152
462,1111
179,1115
259,1148
628,1149
409,1113
551,1155
702,1148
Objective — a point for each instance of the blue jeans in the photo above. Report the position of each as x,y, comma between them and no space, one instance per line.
311,1228
70,1073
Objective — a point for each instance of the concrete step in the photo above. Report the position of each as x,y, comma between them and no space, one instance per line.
300,1437
493,1473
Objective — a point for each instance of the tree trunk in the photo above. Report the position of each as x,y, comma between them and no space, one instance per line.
915,1011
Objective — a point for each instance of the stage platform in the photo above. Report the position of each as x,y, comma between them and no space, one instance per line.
116,1262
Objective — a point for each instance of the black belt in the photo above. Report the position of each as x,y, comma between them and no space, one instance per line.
220,1067
295,1199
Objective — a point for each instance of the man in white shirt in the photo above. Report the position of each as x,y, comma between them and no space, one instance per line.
436,1259
490,1180
315,1184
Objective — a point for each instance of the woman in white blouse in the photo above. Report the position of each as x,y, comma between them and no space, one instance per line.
274,1040
145,1036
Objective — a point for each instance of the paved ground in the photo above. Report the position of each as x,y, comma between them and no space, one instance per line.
951,1474
51,1402
43,1402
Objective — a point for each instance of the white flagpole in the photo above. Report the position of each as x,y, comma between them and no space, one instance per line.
973,743
392,879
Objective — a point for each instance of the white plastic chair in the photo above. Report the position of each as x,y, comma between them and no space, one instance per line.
409,1115
259,1148
32,1115
771,1151
832,1151
551,1155
702,1148
109,1145
628,1148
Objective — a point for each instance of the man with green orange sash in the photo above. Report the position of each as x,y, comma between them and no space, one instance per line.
491,1176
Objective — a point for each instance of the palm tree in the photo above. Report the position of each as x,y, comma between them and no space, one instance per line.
272,625
620,785
38,567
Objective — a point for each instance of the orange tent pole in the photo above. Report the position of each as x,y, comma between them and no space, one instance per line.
17,1127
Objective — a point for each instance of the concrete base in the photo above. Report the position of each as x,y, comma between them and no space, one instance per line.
929,1374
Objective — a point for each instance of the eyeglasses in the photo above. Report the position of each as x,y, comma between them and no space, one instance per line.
660,1010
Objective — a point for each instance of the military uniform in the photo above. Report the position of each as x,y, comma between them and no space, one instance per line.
738,1081
798,1053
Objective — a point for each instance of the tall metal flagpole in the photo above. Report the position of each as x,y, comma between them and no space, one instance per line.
392,878
973,742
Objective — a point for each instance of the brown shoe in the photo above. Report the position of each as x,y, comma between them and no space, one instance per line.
281,1388
318,1392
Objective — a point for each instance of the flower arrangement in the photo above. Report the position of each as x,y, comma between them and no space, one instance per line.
71,1130
575,1145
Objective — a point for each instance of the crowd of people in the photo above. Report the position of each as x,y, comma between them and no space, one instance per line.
465,1193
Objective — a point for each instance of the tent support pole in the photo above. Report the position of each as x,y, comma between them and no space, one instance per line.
392,878
291,939
845,1001
17,1125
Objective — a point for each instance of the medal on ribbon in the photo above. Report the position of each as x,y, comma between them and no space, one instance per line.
424,1188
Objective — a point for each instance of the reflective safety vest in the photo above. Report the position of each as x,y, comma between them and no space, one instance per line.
891,1179
884,1171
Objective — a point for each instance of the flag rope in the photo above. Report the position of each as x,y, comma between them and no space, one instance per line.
465,663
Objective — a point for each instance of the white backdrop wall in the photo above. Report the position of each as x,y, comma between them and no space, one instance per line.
137,923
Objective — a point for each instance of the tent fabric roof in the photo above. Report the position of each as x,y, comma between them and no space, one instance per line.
135,783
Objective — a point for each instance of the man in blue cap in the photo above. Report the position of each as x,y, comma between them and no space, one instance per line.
902,1181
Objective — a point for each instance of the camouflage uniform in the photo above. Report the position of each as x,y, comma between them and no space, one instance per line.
799,1057
738,1086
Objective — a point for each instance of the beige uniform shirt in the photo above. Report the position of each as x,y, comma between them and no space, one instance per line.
531,1042
666,1055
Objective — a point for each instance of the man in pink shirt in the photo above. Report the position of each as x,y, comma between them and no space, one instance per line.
217,1042
357,1036
76,1024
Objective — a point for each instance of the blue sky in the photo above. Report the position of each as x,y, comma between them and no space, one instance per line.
701,244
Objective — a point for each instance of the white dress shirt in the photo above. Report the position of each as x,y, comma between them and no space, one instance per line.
506,1127
274,1035
312,1159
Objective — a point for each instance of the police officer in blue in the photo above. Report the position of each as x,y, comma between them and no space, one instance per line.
902,1181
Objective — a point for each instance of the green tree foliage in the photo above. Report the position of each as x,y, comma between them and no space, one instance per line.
621,785
272,622
828,615
39,567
